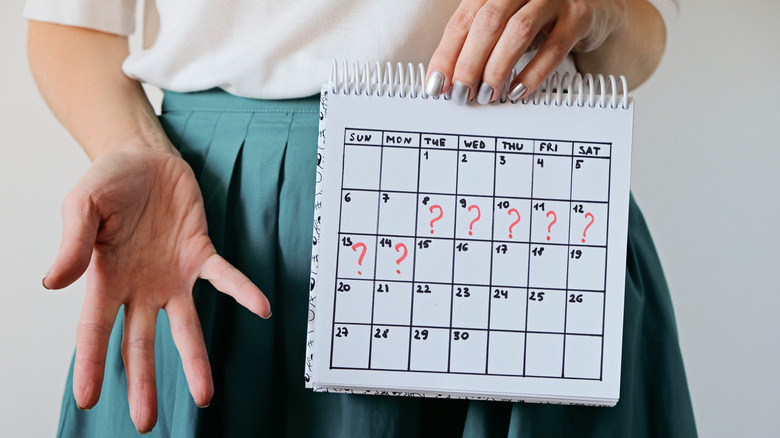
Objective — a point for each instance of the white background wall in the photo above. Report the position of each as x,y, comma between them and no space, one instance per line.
707,150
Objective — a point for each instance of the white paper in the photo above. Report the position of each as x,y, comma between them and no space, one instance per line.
421,290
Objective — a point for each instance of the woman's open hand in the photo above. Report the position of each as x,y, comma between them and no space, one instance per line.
136,223
484,40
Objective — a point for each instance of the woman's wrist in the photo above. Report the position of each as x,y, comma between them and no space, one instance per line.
140,132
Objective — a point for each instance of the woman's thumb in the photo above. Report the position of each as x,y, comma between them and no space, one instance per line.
80,223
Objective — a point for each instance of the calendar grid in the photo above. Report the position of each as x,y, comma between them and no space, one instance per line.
480,324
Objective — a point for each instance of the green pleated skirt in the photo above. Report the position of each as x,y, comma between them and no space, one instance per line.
255,162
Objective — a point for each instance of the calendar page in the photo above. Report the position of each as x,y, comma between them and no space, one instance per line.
470,251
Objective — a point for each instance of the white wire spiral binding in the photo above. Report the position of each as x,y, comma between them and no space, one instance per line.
601,89
405,81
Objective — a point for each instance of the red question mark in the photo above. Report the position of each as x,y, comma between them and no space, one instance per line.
400,259
441,214
362,254
479,215
515,222
592,219
555,219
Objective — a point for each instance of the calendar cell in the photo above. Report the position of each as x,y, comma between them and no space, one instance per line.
350,346
401,139
468,351
552,177
394,217
507,308
361,167
552,148
359,211
588,224
505,353
438,170
435,215
356,256
430,349
474,217
583,357
590,179
513,175
389,347
475,173
547,266
514,146
510,264
433,258
363,137
476,143
392,303
544,355
512,219
550,222
470,306
546,310
394,258
586,267
399,169
431,304
438,141
472,262
585,312
353,301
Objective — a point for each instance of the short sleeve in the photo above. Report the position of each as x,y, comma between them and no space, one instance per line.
669,9
112,16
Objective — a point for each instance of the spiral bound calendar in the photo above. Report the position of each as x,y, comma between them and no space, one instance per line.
469,251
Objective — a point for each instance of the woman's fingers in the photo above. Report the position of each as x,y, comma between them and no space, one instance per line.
138,356
94,329
551,54
520,32
442,63
484,40
79,230
486,29
231,281
188,337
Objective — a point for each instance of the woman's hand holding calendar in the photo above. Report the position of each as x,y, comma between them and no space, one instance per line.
484,40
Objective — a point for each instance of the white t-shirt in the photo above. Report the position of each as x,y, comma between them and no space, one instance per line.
265,49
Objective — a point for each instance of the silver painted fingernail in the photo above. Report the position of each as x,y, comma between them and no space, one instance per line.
485,93
435,82
516,92
460,92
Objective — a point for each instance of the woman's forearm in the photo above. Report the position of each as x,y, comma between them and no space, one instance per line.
79,74
634,49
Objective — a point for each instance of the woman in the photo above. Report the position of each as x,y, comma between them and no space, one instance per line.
137,220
